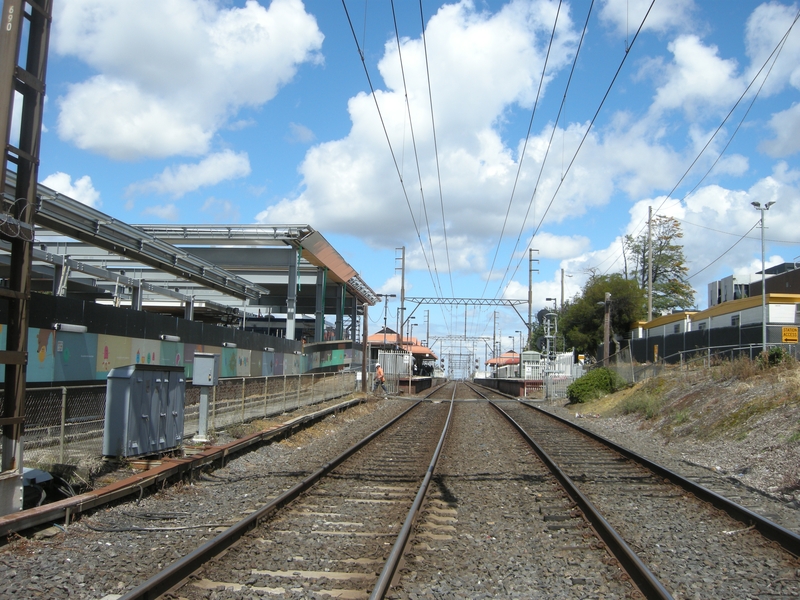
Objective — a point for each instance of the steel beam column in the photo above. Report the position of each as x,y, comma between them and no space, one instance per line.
291,295
26,84
319,312
341,296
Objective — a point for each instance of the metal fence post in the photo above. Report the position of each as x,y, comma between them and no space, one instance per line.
284,393
214,409
312,388
63,425
244,383
299,385
266,382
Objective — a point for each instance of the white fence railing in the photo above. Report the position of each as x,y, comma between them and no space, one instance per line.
64,425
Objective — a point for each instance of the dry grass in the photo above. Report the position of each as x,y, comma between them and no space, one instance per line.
728,399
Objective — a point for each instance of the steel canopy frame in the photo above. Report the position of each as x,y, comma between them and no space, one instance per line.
61,214
313,247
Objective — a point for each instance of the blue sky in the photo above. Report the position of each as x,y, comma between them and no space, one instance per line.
203,111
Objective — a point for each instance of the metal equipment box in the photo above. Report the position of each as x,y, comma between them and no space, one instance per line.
205,371
144,410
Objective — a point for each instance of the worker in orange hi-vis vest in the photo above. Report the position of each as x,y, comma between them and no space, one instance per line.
380,379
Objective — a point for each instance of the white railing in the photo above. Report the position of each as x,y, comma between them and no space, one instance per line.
64,425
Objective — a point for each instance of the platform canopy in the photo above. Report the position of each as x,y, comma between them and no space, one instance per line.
208,272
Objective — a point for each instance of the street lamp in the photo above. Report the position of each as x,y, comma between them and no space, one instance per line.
410,325
520,341
763,210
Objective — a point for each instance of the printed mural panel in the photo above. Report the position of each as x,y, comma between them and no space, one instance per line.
172,354
145,352
243,362
112,351
41,362
75,356
228,364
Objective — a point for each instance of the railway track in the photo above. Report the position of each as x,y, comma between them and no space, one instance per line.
495,522
672,540
341,532
693,542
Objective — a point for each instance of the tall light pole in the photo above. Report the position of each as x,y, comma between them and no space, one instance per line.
385,313
763,210
520,341
562,287
410,324
606,329
606,326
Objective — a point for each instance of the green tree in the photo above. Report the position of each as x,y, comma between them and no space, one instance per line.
582,317
670,288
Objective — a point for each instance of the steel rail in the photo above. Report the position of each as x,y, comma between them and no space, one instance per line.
396,555
644,579
174,574
475,389
69,508
787,539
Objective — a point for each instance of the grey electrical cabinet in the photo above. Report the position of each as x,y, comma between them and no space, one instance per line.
206,370
144,410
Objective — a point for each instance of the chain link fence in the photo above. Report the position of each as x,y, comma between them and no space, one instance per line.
64,425
623,364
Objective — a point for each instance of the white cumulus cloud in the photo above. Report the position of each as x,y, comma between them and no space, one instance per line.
166,212
177,181
196,63
81,189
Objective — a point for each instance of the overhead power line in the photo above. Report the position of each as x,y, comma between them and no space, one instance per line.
436,148
524,148
414,145
773,57
389,142
588,130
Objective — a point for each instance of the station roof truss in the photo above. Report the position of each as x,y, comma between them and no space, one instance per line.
215,266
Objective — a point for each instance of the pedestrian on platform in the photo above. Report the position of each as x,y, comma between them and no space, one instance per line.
380,379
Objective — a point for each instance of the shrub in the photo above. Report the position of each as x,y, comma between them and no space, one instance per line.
595,384
775,356
645,404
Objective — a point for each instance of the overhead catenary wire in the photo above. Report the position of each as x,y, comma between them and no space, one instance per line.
524,147
549,142
414,145
436,148
696,273
775,53
588,130
389,142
